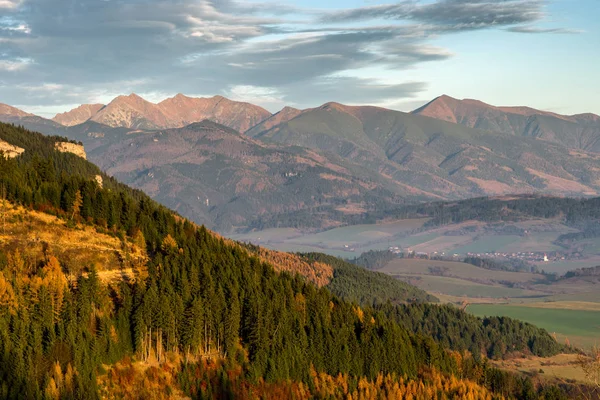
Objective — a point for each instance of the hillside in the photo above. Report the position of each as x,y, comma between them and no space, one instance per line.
12,115
335,161
438,158
201,305
581,132
177,167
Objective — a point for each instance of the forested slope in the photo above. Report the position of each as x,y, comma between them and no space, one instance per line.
196,298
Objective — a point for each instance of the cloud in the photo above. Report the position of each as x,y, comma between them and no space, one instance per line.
453,14
533,29
349,90
56,52
9,4
15,64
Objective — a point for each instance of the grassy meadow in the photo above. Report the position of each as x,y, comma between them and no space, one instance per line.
581,327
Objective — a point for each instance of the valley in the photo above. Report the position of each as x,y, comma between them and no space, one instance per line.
272,200
431,257
235,167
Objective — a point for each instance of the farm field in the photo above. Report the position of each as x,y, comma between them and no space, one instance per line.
539,241
531,236
488,243
463,288
346,242
580,327
404,266
565,305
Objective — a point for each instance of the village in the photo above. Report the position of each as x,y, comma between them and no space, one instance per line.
532,257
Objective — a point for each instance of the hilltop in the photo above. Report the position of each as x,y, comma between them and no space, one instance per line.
580,131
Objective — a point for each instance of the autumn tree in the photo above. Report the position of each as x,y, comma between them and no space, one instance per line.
77,203
8,299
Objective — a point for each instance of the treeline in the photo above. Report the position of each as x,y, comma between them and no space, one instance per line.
198,295
514,265
583,272
589,230
453,328
574,212
356,284
374,259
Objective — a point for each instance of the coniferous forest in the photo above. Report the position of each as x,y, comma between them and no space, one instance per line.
225,323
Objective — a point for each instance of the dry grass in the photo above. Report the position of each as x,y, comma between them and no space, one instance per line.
565,305
130,379
36,234
561,367
460,270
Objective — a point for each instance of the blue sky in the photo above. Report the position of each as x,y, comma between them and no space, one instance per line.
56,54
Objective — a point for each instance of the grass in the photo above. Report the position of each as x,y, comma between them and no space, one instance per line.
540,241
566,305
361,238
593,296
457,270
560,367
580,327
361,234
35,233
486,244
460,287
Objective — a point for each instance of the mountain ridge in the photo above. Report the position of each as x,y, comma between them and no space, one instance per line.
578,131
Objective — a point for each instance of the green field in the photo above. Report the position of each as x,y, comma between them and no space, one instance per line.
581,327
345,242
486,244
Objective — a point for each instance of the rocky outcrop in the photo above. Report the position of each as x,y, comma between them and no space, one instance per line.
66,147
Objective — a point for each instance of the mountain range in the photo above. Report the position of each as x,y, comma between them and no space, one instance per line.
580,131
134,112
227,163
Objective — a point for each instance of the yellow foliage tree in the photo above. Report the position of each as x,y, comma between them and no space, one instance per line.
169,245
16,263
8,300
77,203
56,282
52,391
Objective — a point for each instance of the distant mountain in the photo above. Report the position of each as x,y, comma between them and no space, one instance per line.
134,112
224,179
581,131
286,114
78,115
182,110
323,165
440,158
12,115
131,112
9,111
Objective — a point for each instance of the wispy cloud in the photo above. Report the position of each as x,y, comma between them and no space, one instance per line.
70,51
533,29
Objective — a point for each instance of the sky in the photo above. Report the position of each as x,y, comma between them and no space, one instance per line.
57,54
